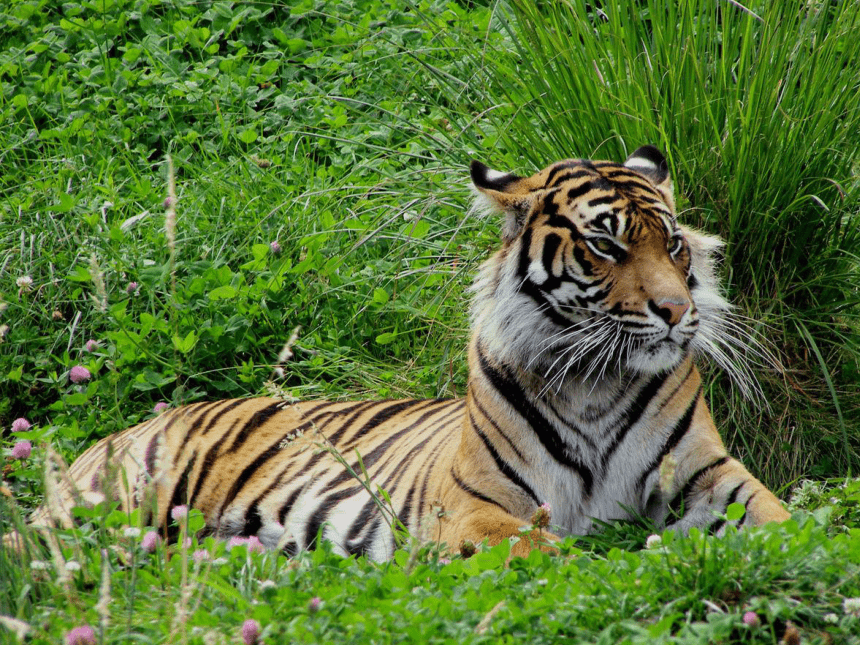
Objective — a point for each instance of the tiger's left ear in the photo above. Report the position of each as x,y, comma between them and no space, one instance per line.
650,163
508,193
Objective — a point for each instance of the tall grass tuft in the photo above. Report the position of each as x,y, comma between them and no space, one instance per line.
758,111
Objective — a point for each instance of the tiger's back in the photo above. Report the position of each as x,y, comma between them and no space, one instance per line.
266,467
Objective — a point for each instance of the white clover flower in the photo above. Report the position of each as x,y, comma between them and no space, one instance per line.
831,618
219,561
24,282
131,532
653,541
73,565
851,606
39,565
267,584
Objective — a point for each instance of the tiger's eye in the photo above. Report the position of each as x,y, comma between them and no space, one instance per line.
675,244
603,245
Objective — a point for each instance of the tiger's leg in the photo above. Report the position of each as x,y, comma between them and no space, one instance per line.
477,521
699,480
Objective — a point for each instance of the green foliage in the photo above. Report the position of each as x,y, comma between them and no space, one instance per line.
692,589
342,132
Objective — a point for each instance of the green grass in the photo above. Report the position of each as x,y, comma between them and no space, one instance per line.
344,135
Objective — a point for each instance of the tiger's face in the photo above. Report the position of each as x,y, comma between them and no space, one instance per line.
596,263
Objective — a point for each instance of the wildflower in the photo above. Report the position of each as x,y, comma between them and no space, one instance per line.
236,540
219,562
131,532
267,584
541,516
131,288
21,450
160,407
92,345
150,541
79,374
169,202
314,604
254,545
73,565
24,282
20,425
39,565
179,512
200,555
851,606
251,632
831,618
81,636
275,247
444,561
653,541
751,619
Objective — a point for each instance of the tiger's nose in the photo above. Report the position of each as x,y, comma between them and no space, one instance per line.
669,310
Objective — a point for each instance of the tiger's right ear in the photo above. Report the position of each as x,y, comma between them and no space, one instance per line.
507,193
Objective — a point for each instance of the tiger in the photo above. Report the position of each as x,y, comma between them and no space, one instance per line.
582,395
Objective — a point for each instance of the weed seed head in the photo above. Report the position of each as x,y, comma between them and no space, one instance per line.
542,516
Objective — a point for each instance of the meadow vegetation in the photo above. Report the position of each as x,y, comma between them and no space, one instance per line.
320,154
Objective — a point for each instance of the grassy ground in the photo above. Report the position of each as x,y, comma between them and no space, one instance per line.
320,157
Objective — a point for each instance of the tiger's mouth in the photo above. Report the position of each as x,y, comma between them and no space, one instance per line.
601,345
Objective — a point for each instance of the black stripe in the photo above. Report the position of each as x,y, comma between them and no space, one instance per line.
381,417
732,498
578,191
423,509
513,393
503,466
151,453
465,487
287,506
356,410
567,165
486,415
230,405
251,469
676,506
680,429
259,418
633,414
180,491
603,200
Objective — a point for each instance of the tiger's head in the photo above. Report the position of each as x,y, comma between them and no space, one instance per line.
596,275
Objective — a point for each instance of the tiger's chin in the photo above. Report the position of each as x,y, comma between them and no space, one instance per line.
656,358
